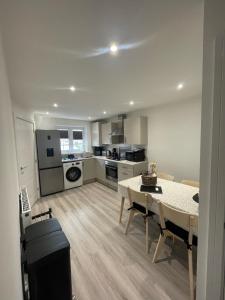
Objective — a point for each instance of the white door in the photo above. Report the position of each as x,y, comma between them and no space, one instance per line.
25,146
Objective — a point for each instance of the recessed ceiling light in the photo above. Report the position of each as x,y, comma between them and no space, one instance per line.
89,118
131,102
47,113
180,86
113,48
55,105
104,112
72,88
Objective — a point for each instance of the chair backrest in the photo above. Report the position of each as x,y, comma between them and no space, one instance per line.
165,176
144,199
190,182
184,220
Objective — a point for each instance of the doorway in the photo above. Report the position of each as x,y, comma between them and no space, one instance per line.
25,148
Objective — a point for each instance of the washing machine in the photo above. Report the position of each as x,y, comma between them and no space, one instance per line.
73,174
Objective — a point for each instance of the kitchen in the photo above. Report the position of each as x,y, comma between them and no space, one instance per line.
61,169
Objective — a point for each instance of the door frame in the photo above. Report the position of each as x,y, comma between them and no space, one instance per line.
210,272
35,153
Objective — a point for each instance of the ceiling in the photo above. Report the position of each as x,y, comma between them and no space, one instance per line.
53,44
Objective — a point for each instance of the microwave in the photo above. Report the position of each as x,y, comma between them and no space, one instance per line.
135,155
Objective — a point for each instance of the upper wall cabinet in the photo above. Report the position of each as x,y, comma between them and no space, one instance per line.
96,134
106,133
136,131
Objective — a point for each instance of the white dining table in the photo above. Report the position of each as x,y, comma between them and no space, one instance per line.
175,194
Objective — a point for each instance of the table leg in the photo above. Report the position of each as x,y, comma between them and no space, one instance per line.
121,209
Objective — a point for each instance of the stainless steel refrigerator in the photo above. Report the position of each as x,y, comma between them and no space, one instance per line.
49,162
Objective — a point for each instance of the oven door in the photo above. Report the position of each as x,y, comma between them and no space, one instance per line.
111,172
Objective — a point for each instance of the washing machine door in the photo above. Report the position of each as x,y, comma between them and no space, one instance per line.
73,174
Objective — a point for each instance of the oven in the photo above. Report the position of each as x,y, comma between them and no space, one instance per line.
111,171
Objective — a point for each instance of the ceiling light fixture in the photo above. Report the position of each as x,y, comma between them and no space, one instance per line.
180,86
55,105
104,112
131,102
47,113
72,88
113,48
89,118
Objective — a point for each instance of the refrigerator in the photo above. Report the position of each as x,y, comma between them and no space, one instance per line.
50,165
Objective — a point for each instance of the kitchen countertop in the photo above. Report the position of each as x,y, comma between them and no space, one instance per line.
125,162
76,159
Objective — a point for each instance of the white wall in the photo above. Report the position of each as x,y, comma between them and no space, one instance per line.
174,137
48,123
22,112
10,276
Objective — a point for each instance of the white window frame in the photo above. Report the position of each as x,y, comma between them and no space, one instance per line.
70,135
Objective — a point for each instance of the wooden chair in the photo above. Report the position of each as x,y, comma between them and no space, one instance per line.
172,224
140,204
165,176
190,182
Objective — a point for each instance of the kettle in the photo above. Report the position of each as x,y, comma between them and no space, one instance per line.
108,154
114,154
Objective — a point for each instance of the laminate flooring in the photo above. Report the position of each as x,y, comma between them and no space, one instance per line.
106,264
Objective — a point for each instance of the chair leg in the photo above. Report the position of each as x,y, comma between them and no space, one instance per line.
131,215
121,209
146,233
158,247
191,277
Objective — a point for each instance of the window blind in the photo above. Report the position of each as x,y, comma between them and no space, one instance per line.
64,134
78,135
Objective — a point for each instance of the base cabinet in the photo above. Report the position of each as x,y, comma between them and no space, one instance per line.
89,170
126,171
100,170
94,170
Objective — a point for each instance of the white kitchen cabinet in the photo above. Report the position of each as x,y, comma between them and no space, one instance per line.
96,134
136,131
106,133
89,170
100,170
126,171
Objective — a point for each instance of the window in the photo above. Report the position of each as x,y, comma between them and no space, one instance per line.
72,140
65,145
78,142
64,140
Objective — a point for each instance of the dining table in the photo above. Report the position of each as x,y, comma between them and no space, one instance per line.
174,194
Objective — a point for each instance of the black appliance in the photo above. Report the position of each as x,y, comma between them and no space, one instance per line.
98,151
45,260
71,156
48,267
111,170
115,155
49,161
122,151
136,155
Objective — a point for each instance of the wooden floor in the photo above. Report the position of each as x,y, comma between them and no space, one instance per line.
106,264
